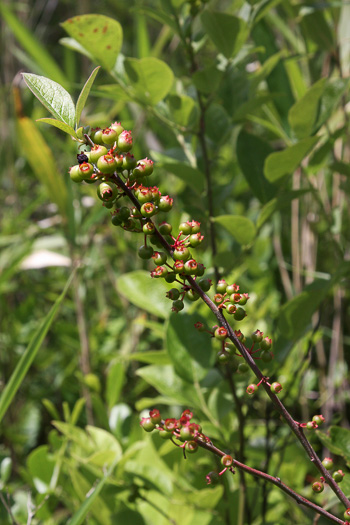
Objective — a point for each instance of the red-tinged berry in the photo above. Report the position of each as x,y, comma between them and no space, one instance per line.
171,424
243,368
178,266
96,152
155,416
190,267
192,295
107,192
148,228
239,335
232,288
191,447
311,425
107,164
239,314
266,356
266,344
231,309
165,434
235,298
200,269
195,239
251,389
221,286
159,258
86,169
195,226
338,476
276,388
226,461
75,174
147,424
125,141
129,161
347,514
145,252
199,326
155,194
165,228
147,165
119,160
173,294
204,284
116,126
257,336
328,463
213,479
109,136
165,203
319,419
185,228
148,209
135,213
317,487
181,253
185,433
220,333
171,277
218,298
178,306
160,271
244,299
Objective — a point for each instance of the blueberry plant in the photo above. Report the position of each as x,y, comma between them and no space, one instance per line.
227,392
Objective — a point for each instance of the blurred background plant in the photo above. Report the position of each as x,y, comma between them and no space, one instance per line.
243,106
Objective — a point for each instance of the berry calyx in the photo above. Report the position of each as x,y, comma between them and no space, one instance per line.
155,416
338,476
226,461
125,141
107,163
257,336
251,389
328,463
220,333
276,388
317,487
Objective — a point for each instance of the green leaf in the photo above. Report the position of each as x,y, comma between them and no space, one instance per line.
160,16
296,314
84,94
332,94
115,381
193,177
100,35
53,96
154,357
33,47
146,293
241,228
71,43
150,78
340,167
60,125
337,441
252,165
189,350
278,203
184,110
27,358
227,32
282,163
208,79
217,123
41,467
316,28
303,114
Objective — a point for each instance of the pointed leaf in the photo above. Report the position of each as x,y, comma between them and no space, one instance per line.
282,163
241,228
303,114
226,31
100,35
151,78
53,96
184,110
58,124
84,94
191,176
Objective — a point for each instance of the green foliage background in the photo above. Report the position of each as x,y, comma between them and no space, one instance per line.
265,85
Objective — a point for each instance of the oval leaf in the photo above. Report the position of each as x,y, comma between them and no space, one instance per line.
241,228
282,163
226,31
100,35
85,93
303,114
53,96
183,109
58,124
151,78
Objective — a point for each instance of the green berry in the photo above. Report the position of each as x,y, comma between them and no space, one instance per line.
165,228
165,434
317,487
107,164
173,294
251,389
185,433
159,258
347,514
165,203
223,357
276,388
116,126
107,192
190,267
185,228
205,284
328,463
145,252
243,368
239,314
75,174
181,253
266,356
257,336
147,424
192,295
338,476
213,478
148,209
191,447
178,306
319,419
129,161
226,461
221,286
109,136
125,141
171,277
148,228
96,152
266,344
220,333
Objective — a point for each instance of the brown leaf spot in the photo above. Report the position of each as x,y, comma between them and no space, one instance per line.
81,34
108,47
104,29
96,29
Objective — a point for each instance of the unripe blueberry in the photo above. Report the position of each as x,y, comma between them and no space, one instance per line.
195,239
147,424
192,295
257,336
107,192
135,213
145,252
319,419
218,298
178,266
243,368
204,284
117,220
155,241
311,425
124,212
107,164
276,387
199,326
328,463
231,309
317,487
147,165
221,286
165,434
200,269
347,514
230,348
148,228
75,174
232,288
195,226
266,356
338,476
117,127
119,160
191,447
235,298
223,357
165,228
125,141
178,306
244,298
251,389
239,335
181,253
159,258
129,161
86,169
173,294
266,344
155,194
185,228
130,224
220,333
171,424
96,152
165,203
190,267
109,136
213,479
148,209
96,135
160,271
185,433
226,461
155,416
239,314
171,277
